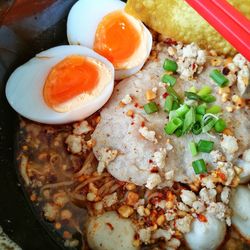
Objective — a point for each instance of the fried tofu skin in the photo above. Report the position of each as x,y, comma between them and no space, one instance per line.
176,19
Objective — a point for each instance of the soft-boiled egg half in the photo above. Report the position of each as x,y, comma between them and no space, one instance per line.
61,85
105,27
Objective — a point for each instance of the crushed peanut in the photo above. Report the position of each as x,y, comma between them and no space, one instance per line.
132,198
91,196
160,220
130,113
225,90
229,109
125,211
147,211
150,95
228,131
130,186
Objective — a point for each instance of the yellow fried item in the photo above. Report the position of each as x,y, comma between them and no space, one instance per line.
176,19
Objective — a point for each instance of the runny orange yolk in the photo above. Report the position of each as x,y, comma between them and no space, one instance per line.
69,78
116,38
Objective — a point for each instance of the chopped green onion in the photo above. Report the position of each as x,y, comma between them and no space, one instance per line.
192,96
206,117
206,90
176,105
191,103
168,103
169,79
172,114
214,109
196,129
182,110
199,166
220,125
173,93
193,149
209,125
178,132
173,125
192,89
150,107
201,109
205,146
208,98
219,78
170,65
189,121
198,117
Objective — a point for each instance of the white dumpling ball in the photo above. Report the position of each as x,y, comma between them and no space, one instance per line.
61,85
206,235
245,174
240,204
105,27
110,232
244,164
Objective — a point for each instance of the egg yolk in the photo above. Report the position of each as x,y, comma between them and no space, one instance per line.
116,38
69,78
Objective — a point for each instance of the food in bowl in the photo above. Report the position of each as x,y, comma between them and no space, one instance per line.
111,32
163,165
61,85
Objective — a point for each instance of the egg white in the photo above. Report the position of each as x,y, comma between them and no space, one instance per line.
84,17
24,89
83,20
206,235
240,204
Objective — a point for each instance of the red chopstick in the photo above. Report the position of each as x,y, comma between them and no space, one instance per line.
228,21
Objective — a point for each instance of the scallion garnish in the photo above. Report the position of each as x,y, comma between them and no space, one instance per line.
209,125
191,103
176,105
182,110
201,109
189,121
173,93
205,146
208,122
206,90
172,114
192,115
208,98
219,78
214,109
192,96
168,103
170,65
170,80
178,132
171,126
199,166
192,89
196,129
150,107
193,149
220,125
198,117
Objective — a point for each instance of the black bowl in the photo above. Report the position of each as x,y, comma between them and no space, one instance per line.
26,28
